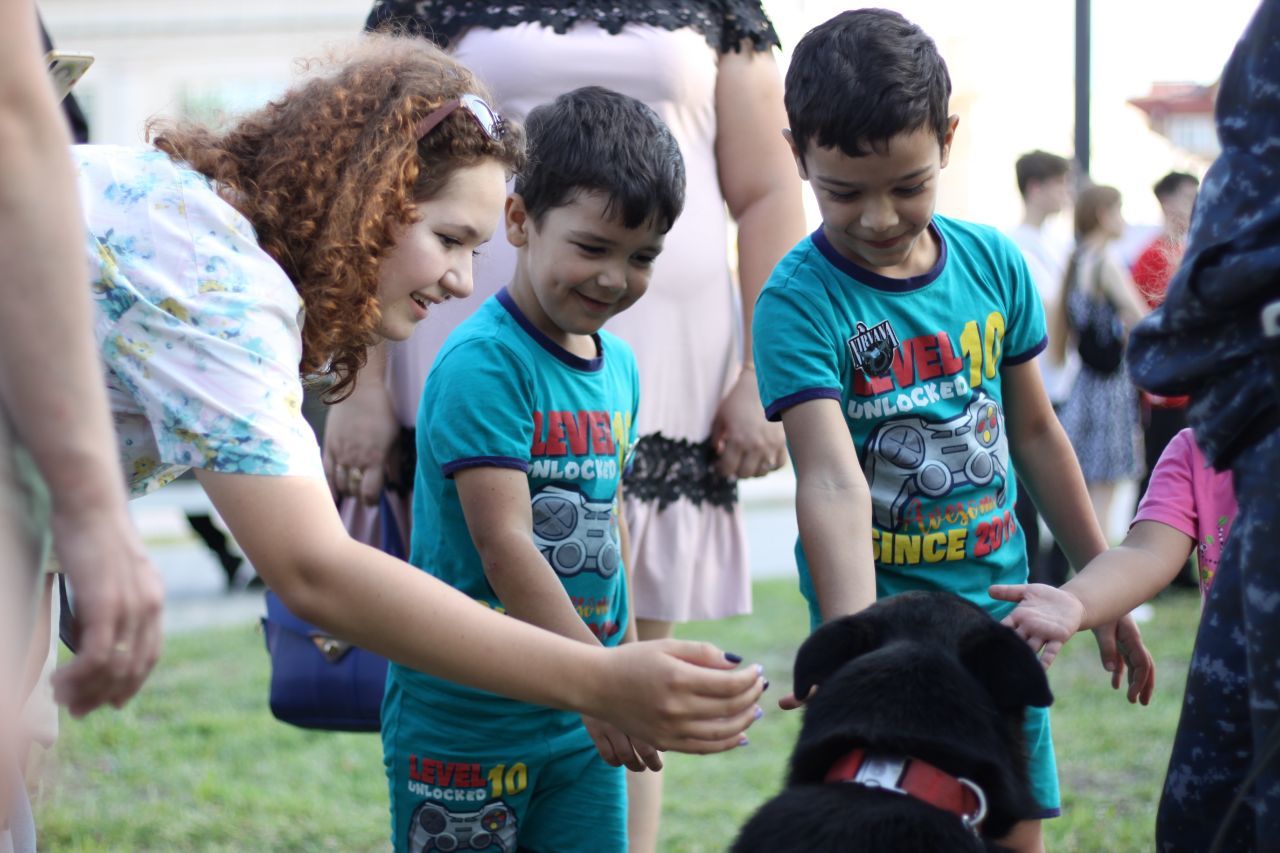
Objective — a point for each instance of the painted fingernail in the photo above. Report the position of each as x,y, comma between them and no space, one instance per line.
759,712
760,670
766,684
732,658
742,741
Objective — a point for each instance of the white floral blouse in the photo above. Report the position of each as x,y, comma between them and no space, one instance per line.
200,331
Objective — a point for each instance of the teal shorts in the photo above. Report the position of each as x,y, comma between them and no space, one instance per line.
1042,764
461,781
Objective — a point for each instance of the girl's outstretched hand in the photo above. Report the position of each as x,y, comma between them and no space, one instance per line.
679,695
1046,617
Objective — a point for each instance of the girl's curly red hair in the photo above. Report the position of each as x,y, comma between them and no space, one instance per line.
326,173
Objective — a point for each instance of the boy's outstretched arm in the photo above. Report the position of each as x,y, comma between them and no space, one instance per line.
1048,468
496,504
833,507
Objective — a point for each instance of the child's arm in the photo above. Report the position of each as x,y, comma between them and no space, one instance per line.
1049,470
496,505
833,507
1114,582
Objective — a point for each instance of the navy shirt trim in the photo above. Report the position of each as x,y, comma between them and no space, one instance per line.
450,468
577,362
874,279
775,409
1029,354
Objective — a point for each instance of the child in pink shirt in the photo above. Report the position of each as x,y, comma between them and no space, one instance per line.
1187,506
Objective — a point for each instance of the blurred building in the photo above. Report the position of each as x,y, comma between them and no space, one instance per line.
1183,114
197,58
1011,66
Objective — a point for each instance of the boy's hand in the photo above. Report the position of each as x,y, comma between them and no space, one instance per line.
619,750
1120,645
1046,617
790,702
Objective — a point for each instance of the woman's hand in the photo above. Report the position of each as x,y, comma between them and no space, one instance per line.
358,437
746,444
678,695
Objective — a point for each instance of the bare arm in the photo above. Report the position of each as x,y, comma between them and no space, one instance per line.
496,504
1118,285
833,508
760,186
51,383
1121,578
1048,468
1047,465
669,693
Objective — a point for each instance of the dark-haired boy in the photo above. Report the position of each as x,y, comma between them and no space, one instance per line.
897,348
524,430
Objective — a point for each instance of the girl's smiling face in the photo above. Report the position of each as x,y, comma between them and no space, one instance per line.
431,259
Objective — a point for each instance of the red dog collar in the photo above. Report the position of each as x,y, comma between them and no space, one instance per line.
915,778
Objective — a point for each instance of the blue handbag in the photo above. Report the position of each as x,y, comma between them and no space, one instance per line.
317,680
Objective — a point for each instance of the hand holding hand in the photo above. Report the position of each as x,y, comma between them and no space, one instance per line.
746,444
1046,617
678,695
617,749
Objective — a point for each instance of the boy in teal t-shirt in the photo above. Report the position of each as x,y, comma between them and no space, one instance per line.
897,348
524,431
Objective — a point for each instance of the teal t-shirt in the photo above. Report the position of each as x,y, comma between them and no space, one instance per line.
916,366
502,394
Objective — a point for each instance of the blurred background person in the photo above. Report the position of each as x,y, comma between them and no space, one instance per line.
1044,185
708,70
1100,414
1164,417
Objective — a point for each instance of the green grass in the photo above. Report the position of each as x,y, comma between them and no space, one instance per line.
197,763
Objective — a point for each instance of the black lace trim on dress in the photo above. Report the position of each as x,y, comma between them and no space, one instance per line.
725,24
668,469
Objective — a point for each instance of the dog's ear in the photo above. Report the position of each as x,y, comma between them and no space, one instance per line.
831,647
1006,666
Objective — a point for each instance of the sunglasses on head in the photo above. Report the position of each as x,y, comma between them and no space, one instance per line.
494,125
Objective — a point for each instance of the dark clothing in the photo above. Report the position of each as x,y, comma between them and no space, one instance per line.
1210,340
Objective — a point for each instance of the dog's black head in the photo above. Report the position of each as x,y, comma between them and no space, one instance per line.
926,675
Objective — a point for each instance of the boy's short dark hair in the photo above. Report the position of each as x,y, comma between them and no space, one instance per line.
862,78
1172,182
1039,166
595,140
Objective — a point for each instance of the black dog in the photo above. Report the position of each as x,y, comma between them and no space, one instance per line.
922,686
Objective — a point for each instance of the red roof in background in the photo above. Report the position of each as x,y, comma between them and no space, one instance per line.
1180,98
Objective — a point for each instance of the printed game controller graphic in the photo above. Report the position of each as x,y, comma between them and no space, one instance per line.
912,456
434,828
575,534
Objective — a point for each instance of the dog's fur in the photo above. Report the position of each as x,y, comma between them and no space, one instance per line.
922,674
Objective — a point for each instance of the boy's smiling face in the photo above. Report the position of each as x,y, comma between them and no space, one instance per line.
876,208
579,266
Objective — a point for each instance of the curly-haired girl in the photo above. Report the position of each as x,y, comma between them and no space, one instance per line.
226,264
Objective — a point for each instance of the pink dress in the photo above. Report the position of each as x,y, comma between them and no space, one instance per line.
687,536
1194,499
